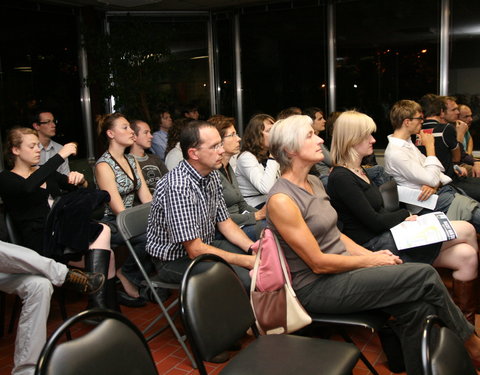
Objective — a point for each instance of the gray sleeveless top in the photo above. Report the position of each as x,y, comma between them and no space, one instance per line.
321,219
125,185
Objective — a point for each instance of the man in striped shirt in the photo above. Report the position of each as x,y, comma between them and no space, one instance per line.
188,206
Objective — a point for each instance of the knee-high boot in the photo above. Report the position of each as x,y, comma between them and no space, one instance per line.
465,297
98,260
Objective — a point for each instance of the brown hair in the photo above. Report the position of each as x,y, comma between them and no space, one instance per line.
253,137
402,110
222,123
175,131
104,123
15,139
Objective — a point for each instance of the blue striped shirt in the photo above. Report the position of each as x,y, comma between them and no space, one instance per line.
185,206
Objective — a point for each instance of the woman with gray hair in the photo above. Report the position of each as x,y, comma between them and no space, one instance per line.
365,220
330,272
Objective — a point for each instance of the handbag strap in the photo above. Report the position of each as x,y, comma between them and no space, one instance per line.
257,263
286,275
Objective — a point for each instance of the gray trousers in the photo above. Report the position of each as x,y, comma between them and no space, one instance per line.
29,275
172,271
409,292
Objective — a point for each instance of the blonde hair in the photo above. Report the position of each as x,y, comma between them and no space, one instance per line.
349,130
287,136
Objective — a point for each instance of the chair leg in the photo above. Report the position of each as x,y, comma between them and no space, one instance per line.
15,312
3,301
364,359
61,297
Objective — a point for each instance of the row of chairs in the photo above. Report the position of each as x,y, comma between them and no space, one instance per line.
216,312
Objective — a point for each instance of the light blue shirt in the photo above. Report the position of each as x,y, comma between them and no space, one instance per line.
48,152
159,143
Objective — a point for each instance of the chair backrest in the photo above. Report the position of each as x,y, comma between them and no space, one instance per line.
115,347
11,231
443,353
216,310
133,221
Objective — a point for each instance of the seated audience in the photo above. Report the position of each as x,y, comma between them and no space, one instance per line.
441,113
360,209
152,167
159,142
119,174
412,169
251,220
187,206
30,276
256,170
174,151
45,124
28,190
330,272
466,116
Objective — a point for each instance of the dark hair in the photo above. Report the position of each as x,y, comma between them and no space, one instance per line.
432,105
157,117
287,112
253,137
190,107
104,123
311,111
175,131
330,121
15,139
135,127
222,123
35,116
190,136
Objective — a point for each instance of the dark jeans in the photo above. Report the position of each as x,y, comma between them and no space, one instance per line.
172,271
409,292
130,268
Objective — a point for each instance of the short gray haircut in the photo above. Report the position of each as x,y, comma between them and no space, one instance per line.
287,136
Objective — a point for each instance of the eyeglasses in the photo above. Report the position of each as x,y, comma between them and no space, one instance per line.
231,135
417,118
216,147
55,121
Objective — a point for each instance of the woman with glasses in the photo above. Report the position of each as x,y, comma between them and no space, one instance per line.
251,220
365,220
256,170
120,175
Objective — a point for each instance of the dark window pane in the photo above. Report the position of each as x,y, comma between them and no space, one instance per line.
386,51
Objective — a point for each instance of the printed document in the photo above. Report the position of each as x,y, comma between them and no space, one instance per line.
410,196
430,228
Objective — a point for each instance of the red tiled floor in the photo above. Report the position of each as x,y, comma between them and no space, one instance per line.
167,353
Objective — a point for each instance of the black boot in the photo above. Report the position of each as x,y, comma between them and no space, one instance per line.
98,260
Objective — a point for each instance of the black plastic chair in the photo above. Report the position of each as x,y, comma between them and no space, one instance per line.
373,320
443,353
216,312
115,347
133,222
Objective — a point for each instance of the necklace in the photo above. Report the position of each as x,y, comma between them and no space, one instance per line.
359,171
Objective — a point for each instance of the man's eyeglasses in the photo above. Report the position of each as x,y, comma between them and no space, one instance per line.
216,147
48,122
231,135
417,118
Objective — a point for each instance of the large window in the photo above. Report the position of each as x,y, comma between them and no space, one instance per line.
465,59
38,61
386,51
283,58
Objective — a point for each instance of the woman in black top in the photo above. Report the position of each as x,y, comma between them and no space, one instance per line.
360,207
28,192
